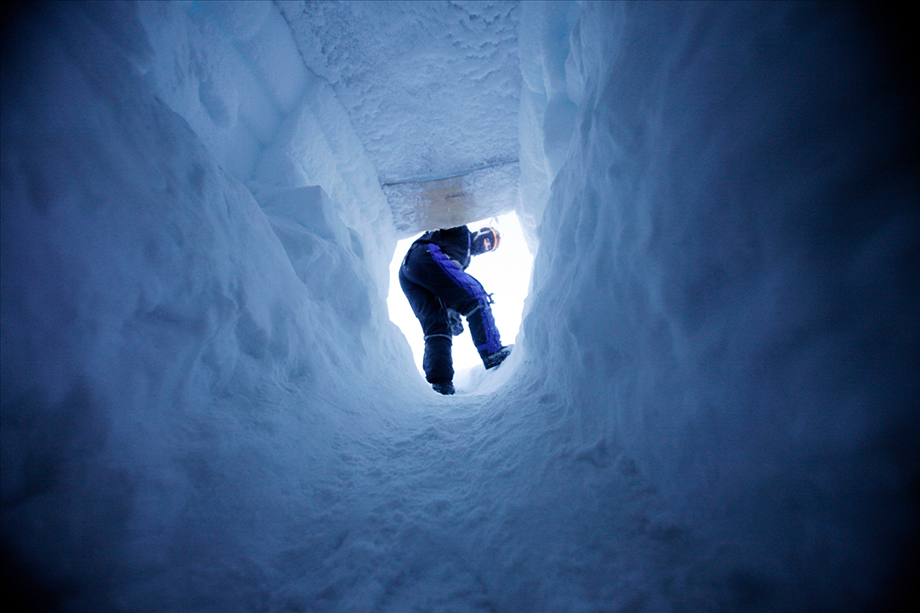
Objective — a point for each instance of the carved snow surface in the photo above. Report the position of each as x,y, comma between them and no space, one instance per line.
452,201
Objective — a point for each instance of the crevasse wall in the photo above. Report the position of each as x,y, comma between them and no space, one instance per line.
233,72
237,77
157,321
547,114
721,299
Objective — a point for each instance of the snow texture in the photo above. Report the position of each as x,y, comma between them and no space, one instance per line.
418,206
711,406
431,87
432,91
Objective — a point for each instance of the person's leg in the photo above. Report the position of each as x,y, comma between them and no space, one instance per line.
485,334
461,292
437,362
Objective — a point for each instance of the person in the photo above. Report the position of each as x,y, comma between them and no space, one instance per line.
434,279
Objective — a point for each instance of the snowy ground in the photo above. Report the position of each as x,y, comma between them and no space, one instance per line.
712,401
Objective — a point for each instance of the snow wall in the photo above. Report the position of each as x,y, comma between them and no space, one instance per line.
712,404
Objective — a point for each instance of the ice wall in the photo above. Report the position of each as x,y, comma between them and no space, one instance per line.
246,124
232,70
192,302
550,91
724,295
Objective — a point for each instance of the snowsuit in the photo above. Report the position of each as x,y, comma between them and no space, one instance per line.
433,279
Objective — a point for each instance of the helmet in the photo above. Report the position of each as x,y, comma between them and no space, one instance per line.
486,239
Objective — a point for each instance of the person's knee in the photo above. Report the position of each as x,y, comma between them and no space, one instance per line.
470,306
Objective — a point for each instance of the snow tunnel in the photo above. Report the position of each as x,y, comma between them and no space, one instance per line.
712,402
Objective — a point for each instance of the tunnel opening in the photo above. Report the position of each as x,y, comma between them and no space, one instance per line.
505,273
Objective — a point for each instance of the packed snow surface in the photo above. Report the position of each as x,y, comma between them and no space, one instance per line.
431,87
711,405
432,91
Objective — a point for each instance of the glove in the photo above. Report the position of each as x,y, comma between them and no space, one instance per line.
455,323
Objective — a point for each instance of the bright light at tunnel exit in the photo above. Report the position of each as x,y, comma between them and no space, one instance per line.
505,273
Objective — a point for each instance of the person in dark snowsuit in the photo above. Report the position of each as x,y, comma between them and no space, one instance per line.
433,278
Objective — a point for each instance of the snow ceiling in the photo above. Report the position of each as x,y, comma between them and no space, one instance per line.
453,157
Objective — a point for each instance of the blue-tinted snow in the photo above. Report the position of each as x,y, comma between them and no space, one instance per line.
711,407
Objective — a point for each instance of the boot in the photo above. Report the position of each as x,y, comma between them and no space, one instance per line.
443,387
494,359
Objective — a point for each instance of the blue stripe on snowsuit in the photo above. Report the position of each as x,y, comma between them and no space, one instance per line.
492,341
